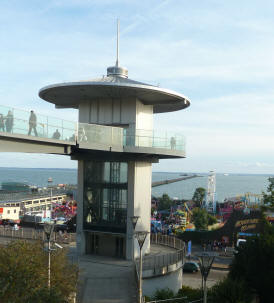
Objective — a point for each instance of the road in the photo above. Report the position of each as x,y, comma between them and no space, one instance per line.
194,280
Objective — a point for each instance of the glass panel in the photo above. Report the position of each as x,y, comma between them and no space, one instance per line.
107,172
123,173
151,138
105,196
100,134
22,122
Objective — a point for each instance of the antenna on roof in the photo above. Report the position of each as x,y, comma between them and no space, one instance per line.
117,49
117,71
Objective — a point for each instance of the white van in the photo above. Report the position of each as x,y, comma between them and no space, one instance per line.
240,242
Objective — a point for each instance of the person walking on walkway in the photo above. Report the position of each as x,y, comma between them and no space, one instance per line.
2,123
32,123
9,121
56,135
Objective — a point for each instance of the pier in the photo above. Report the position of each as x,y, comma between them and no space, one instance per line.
159,183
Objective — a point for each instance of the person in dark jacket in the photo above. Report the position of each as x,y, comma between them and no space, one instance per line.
9,122
2,123
32,123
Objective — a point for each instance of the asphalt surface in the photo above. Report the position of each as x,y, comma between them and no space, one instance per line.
194,280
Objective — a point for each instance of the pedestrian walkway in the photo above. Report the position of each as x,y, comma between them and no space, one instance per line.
106,279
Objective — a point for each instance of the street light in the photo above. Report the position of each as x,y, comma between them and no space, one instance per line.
134,220
50,182
205,262
141,238
48,229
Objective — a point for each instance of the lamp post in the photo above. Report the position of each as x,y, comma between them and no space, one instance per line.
134,221
205,262
48,229
141,238
50,182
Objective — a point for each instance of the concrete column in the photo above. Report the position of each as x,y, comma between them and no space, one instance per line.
139,204
81,240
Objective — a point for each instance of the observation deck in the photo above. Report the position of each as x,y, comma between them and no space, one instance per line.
77,138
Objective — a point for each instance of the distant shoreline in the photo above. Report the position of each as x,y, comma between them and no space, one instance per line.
155,172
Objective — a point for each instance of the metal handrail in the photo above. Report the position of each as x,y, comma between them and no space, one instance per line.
72,132
34,234
157,262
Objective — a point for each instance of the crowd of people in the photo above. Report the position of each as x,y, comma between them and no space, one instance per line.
6,122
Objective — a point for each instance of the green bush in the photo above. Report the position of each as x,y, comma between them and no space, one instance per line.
192,294
162,294
230,291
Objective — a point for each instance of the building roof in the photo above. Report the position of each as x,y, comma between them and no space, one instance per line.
71,94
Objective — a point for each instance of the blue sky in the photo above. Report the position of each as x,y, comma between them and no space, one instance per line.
218,53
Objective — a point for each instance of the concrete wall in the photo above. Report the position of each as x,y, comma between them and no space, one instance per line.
172,280
129,112
139,204
80,236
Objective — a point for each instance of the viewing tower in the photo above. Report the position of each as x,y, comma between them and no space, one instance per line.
116,146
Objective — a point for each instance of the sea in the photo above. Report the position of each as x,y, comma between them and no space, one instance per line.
227,185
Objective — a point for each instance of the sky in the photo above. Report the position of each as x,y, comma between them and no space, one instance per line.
220,54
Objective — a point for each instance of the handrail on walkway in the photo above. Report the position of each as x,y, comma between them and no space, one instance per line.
19,122
156,262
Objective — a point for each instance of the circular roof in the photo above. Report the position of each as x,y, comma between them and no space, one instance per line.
71,94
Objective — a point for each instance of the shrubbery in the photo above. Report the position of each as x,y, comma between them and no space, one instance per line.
24,274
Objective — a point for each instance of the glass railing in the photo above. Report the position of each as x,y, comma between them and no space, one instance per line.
154,139
100,134
20,122
17,121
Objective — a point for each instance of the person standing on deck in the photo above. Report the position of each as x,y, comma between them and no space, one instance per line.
32,123
9,122
2,123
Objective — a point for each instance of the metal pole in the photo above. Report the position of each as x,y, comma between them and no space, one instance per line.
202,285
140,276
49,265
117,49
50,201
205,291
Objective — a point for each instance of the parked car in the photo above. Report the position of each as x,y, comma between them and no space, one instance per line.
190,266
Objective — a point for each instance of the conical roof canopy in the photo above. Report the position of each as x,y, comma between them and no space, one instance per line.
71,94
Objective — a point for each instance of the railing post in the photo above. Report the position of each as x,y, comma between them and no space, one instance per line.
62,130
47,126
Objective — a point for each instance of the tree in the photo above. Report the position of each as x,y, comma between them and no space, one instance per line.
200,218
254,264
230,291
211,219
269,198
199,196
24,274
165,202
